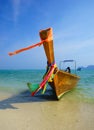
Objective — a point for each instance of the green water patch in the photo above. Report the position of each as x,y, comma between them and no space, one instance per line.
81,94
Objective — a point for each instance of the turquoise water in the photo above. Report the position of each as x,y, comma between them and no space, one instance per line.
16,81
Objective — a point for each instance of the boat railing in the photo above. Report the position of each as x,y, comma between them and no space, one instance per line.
67,61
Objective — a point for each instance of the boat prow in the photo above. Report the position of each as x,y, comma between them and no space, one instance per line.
62,81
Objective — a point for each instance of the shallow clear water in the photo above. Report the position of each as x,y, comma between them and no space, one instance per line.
16,81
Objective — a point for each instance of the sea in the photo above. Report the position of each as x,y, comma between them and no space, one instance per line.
15,81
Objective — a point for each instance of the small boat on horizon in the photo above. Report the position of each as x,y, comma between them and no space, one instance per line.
79,69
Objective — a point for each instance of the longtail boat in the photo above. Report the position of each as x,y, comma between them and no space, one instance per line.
59,80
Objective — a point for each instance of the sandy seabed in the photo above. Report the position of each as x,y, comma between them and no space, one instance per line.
23,112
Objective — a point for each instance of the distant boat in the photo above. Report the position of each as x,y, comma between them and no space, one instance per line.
59,80
79,69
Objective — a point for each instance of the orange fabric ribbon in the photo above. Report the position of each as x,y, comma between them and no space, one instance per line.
27,48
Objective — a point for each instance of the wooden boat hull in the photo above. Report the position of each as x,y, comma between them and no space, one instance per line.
63,82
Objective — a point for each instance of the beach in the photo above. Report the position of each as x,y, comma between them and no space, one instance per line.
20,111
23,112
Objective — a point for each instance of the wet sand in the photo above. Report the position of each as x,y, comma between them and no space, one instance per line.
23,112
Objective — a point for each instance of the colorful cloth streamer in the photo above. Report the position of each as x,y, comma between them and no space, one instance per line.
45,80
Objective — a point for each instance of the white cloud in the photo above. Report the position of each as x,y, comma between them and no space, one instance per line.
76,46
16,8
19,6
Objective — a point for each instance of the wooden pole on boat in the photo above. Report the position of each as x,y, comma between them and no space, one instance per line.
48,44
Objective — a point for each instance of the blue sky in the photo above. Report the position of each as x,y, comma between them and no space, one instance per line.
73,31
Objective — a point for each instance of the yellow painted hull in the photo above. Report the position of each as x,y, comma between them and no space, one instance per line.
63,82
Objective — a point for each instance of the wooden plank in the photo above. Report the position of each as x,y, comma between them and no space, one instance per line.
48,45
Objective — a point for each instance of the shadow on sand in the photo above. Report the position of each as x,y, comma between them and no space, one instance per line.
25,97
